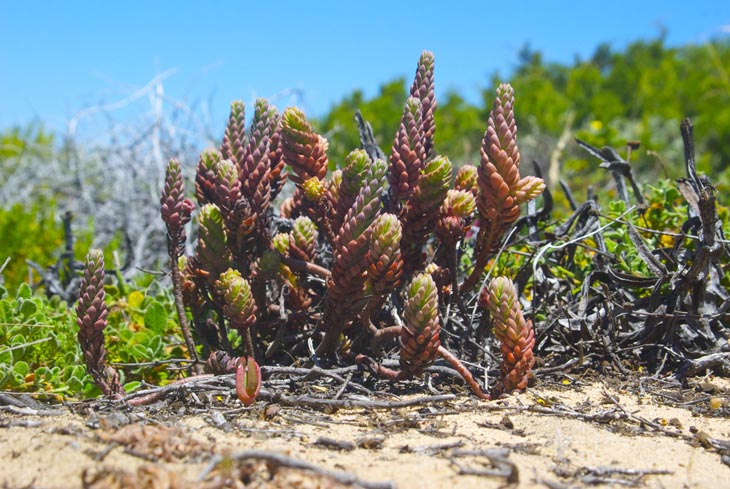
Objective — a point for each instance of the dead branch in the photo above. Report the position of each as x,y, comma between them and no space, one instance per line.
281,460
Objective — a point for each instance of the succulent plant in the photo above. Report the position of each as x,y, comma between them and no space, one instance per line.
232,146
466,179
256,167
175,209
277,173
515,334
501,190
303,149
423,89
91,314
455,218
407,157
227,186
296,297
212,253
248,380
345,288
422,212
456,215
385,263
357,165
290,206
420,335
341,247
314,189
304,239
239,308
205,179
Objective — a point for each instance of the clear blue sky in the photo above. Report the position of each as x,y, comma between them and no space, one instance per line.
58,57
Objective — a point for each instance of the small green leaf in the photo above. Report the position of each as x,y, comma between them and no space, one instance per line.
155,317
21,368
111,290
139,353
132,386
27,308
5,311
75,384
24,292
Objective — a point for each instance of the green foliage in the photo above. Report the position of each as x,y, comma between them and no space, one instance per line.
383,112
28,234
19,141
460,128
39,351
658,225
36,234
639,94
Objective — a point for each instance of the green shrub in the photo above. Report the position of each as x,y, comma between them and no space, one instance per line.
39,351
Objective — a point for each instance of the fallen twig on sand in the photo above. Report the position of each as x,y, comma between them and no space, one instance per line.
502,467
319,403
285,461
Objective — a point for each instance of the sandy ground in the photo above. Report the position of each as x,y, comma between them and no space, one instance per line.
552,436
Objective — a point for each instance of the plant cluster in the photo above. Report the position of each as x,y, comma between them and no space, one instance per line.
377,263
360,259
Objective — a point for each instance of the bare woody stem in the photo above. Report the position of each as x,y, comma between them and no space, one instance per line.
180,307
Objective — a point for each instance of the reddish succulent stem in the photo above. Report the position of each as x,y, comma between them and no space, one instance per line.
379,370
486,241
374,304
382,334
464,372
299,266
247,341
455,363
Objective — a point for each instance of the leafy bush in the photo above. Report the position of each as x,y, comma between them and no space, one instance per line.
40,353
32,233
